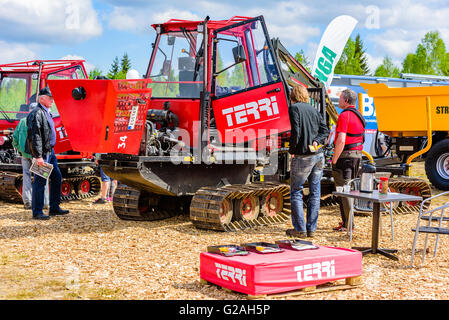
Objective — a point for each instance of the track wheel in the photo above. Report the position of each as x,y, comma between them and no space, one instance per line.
84,187
247,208
66,188
272,204
416,191
226,211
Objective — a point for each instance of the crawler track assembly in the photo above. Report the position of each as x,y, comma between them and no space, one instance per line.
234,207
132,204
226,208
73,188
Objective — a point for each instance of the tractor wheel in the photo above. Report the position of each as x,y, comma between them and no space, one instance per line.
66,188
437,165
247,208
84,187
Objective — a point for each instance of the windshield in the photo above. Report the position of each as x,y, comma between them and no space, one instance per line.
16,90
243,59
70,73
176,69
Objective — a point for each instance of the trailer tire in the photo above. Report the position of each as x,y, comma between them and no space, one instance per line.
437,165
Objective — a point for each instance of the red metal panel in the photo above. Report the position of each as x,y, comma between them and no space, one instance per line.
257,274
252,114
110,119
62,140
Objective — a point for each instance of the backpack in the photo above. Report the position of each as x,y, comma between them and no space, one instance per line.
20,136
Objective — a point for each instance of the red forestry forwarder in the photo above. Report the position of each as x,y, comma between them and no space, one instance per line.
19,85
206,131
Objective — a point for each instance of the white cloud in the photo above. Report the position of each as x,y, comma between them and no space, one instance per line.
414,15
373,62
48,21
397,43
89,67
15,52
284,22
128,19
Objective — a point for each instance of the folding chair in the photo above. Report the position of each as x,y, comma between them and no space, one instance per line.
365,206
429,229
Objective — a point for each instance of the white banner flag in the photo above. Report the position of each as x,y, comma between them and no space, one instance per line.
331,47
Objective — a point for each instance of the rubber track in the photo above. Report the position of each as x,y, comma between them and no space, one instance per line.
8,187
399,184
9,182
206,203
126,206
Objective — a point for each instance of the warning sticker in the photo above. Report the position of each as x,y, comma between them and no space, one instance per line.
133,117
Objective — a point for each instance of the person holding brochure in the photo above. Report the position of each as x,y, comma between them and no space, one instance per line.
41,138
19,139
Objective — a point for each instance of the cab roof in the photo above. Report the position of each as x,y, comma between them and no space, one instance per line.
175,24
48,66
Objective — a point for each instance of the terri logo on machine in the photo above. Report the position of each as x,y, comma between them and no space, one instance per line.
254,110
229,273
315,271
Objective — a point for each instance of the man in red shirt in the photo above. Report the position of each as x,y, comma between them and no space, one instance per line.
349,138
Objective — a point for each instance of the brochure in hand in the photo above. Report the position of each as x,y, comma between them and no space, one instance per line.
43,171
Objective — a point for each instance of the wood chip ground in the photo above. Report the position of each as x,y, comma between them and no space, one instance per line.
91,254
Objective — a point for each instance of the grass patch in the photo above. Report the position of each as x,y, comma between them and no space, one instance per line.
4,260
106,294
25,294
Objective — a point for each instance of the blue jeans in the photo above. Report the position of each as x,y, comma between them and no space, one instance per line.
55,187
306,168
104,177
26,183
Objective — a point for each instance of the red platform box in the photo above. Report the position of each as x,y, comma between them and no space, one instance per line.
259,274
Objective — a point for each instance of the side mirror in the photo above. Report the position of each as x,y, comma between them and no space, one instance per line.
239,54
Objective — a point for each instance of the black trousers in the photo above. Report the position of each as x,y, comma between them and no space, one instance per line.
346,168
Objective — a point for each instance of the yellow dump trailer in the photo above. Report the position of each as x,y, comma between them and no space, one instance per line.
412,114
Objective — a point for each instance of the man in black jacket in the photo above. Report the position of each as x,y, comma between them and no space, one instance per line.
41,139
308,131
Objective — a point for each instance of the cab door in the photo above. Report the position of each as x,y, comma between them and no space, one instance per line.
249,99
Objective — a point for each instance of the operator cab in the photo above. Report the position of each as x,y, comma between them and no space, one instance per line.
242,86
19,82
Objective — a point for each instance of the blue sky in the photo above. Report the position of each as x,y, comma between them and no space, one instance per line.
99,30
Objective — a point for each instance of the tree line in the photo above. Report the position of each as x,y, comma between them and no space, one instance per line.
430,58
118,69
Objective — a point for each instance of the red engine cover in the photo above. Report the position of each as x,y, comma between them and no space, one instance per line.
109,119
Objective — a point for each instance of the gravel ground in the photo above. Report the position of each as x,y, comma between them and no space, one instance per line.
91,254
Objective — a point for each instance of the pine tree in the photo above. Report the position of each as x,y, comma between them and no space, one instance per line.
113,72
360,55
347,63
353,60
125,63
